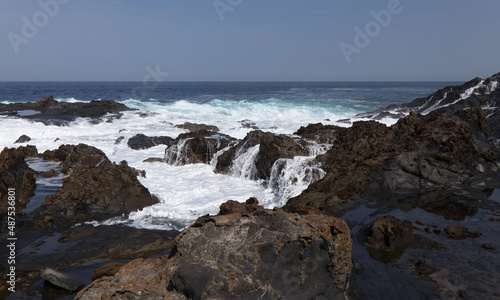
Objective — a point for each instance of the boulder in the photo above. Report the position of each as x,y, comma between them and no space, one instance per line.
141,141
197,127
16,174
457,232
22,139
271,148
107,270
61,280
196,147
96,192
245,253
73,156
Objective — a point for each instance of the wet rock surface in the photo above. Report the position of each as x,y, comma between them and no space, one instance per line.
199,146
245,253
95,193
197,127
15,174
73,156
141,141
22,139
50,111
416,155
271,148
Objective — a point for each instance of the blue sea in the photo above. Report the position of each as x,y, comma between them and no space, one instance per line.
189,191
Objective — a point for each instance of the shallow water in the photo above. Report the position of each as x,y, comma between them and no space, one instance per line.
464,265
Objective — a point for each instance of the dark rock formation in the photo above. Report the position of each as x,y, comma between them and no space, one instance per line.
95,192
16,174
271,148
197,127
416,155
478,92
322,134
457,232
246,253
73,156
422,268
196,147
22,139
140,141
388,238
50,111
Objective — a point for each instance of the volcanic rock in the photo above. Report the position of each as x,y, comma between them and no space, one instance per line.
423,268
262,254
416,155
140,141
107,270
16,174
457,232
197,127
22,139
73,156
50,111
388,238
271,148
96,192
322,134
196,147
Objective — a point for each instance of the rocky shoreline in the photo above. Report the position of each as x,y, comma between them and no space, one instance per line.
413,196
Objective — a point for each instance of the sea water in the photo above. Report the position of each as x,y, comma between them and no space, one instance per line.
189,191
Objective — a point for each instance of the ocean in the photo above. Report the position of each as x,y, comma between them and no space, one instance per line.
189,191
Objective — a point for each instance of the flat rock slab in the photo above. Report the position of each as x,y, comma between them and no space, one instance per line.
62,280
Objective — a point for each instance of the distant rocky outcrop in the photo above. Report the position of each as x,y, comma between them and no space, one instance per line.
417,154
22,139
50,111
478,92
141,141
245,252
257,153
193,127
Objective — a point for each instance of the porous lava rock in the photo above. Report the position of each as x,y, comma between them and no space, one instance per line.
245,253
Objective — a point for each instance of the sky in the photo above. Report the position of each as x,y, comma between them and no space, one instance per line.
249,40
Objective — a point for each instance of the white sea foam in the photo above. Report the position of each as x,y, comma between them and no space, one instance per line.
187,192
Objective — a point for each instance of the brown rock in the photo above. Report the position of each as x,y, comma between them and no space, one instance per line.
260,255
423,268
388,238
457,232
50,173
488,246
73,156
107,270
96,193
197,127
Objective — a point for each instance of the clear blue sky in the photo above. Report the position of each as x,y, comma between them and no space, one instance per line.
276,40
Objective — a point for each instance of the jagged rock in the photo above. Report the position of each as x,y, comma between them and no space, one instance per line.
248,124
416,155
140,141
196,147
154,159
50,111
96,192
322,134
22,139
73,156
119,140
64,281
197,127
254,254
15,173
388,238
457,232
488,246
423,268
271,148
